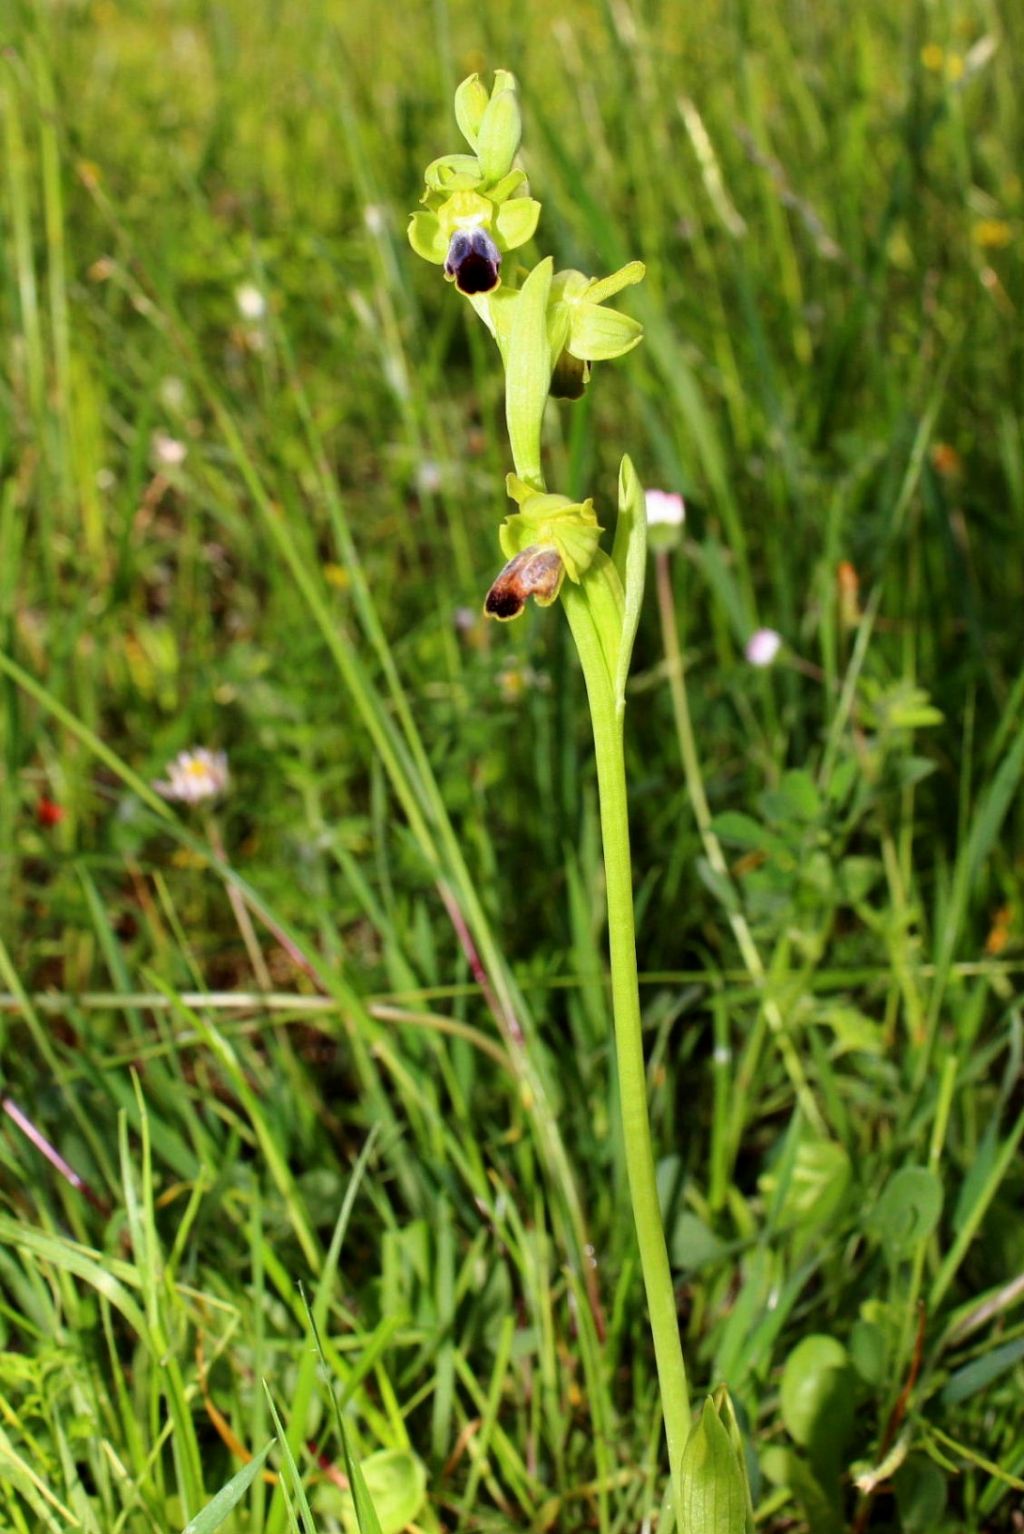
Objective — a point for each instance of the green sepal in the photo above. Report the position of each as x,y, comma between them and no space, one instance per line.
597,334
515,222
499,135
715,1490
471,100
603,288
629,556
502,190
427,238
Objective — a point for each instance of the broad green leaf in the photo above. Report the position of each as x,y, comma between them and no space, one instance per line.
908,1210
629,556
920,1495
500,132
817,1401
869,1351
782,1467
736,829
229,1496
395,1482
795,799
816,1186
528,373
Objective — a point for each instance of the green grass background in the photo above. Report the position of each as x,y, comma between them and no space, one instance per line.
390,942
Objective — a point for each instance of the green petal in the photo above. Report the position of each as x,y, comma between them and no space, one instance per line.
499,136
471,100
503,189
516,221
453,173
597,334
518,490
426,237
606,287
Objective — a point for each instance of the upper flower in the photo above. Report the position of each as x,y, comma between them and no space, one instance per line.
473,213
581,330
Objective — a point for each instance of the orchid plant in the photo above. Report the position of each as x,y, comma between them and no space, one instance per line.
550,328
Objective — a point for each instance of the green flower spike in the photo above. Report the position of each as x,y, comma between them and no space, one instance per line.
549,538
582,331
472,217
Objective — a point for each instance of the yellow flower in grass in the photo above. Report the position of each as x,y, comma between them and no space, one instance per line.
992,233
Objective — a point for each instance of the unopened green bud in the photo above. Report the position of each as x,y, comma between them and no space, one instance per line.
501,130
471,100
715,1487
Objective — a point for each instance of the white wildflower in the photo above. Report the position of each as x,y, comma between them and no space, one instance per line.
665,509
428,477
168,452
195,775
763,646
251,303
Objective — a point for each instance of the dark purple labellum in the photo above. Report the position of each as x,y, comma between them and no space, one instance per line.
474,261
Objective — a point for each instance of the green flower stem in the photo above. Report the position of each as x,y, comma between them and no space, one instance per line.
607,719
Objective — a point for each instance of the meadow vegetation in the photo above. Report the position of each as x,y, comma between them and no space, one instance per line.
347,1025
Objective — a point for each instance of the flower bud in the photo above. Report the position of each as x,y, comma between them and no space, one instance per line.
471,100
501,129
473,262
716,1489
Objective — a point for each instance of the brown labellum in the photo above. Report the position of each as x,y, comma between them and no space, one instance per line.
533,573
